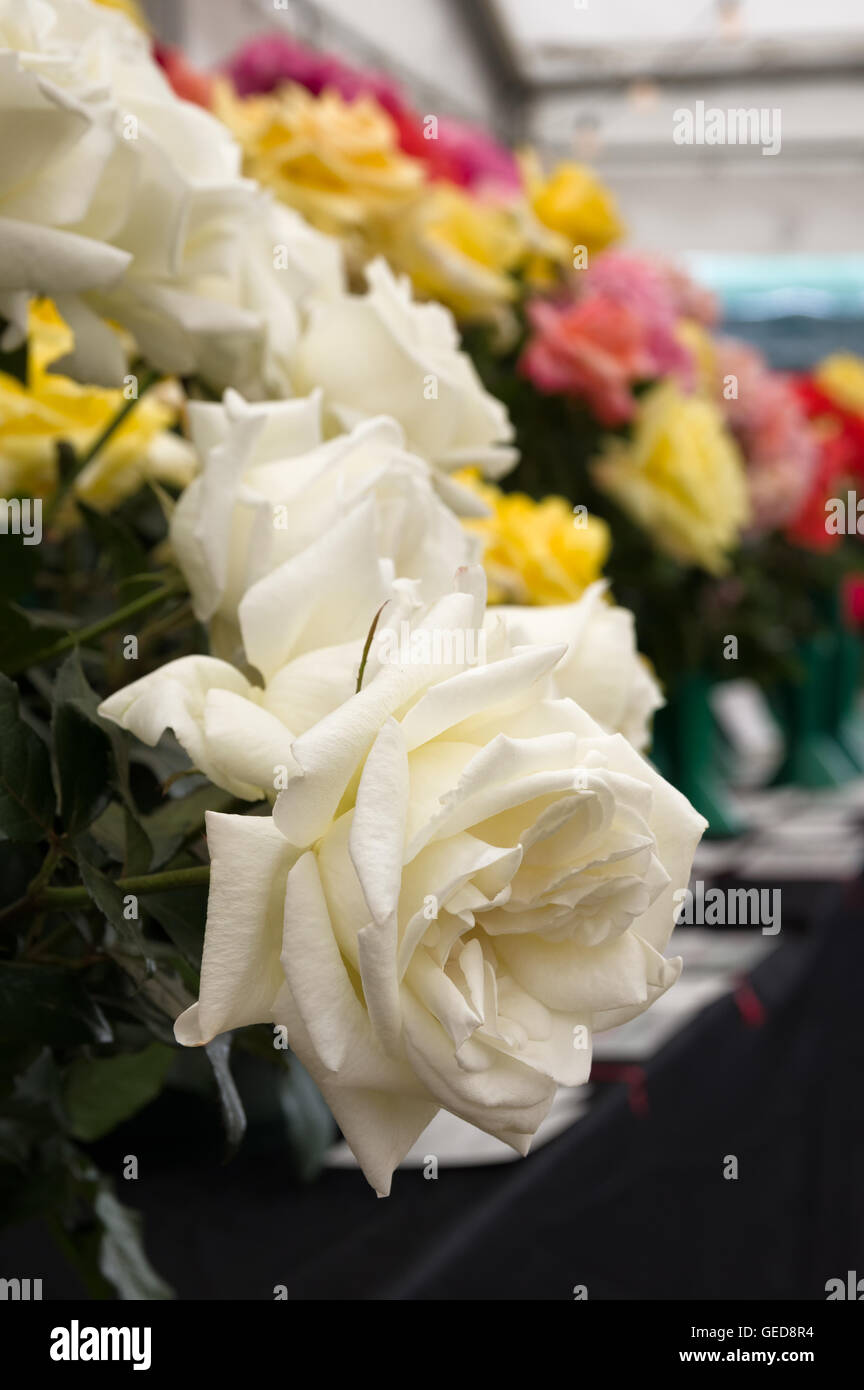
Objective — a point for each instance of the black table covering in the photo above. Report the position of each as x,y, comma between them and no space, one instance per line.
630,1203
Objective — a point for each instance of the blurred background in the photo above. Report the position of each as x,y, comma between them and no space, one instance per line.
599,81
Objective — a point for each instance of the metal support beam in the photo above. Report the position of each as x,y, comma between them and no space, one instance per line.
513,92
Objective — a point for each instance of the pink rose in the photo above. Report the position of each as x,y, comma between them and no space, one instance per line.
188,82
645,288
474,158
592,350
264,64
764,413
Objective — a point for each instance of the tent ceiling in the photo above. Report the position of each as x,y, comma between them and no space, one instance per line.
558,42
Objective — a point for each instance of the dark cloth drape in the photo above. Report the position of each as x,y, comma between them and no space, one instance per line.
630,1203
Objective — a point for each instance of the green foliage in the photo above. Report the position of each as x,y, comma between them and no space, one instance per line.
26,793
94,972
48,1003
91,975
81,750
100,1092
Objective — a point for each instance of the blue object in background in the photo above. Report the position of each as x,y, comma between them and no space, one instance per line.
796,309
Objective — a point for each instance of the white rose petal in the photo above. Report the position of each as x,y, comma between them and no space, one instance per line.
601,669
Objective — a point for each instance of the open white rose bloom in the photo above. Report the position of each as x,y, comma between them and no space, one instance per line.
405,361
134,210
461,881
272,490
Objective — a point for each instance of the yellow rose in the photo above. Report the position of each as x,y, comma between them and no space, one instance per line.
466,250
458,250
36,416
131,9
337,162
841,376
536,552
700,345
681,477
573,202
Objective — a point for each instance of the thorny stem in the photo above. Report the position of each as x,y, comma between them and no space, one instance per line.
40,896
139,883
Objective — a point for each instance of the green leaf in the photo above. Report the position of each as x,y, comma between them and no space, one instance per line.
72,688
121,1254
19,562
23,631
120,835
82,755
101,1092
47,1004
182,914
15,1142
283,1102
35,1095
233,1114
158,998
18,866
171,825
111,902
83,766
26,792
139,851
116,540
109,831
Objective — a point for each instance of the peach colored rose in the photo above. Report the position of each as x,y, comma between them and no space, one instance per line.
593,350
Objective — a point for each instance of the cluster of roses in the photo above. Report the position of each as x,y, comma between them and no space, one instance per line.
505,786
628,337
469,221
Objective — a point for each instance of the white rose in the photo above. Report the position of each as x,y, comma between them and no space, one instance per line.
381,353
230,307
271,489
459,885
57,150
601,669
159,231
304,628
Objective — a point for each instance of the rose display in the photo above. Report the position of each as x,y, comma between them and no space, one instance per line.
365,504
